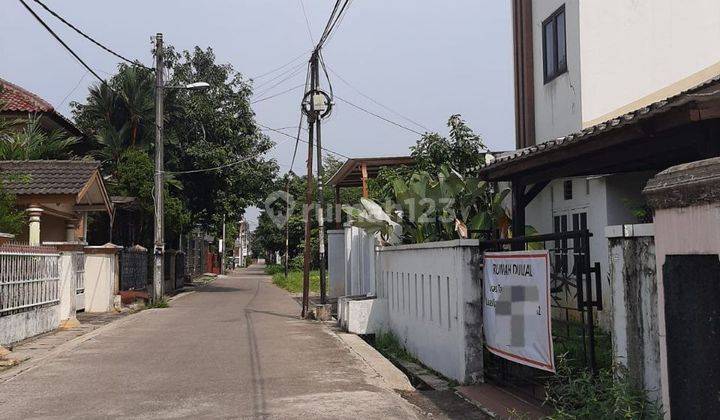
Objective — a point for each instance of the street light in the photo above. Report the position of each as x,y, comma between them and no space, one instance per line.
159,249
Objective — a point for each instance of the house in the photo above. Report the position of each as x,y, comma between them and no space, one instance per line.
607,95
17,103
57,196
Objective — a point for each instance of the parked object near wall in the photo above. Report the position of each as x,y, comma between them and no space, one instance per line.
29,291
634,292
433,297
686,199
102,277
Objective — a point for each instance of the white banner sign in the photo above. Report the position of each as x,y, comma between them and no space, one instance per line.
516,312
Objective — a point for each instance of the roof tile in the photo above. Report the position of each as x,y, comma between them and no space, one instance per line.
46,176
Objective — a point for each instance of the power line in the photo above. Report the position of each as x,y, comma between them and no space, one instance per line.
88,37
283,66
77,57
277,94
307,22
379,116
339,22
304,141
377,102
332,23
227,165
292,71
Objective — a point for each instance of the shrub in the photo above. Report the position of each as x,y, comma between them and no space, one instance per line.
273,269
611,394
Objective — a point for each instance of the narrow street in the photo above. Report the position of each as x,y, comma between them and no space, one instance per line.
234,348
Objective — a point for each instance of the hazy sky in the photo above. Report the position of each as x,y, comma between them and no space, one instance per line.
424,59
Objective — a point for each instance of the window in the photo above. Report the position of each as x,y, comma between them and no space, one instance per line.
567,189
554,52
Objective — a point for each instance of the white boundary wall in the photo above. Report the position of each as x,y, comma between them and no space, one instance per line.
433,296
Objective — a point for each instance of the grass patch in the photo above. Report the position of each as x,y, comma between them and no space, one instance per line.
294,281
389,346
159,304
273,269
568,341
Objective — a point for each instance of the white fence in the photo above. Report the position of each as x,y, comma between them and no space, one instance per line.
432,293
29,278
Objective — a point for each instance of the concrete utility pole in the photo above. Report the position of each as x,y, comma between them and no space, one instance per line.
287,224
159,250
316,105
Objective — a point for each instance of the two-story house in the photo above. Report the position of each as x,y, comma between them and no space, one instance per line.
608,93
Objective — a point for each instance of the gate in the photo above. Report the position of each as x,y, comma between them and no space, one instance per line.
78,268
575,292
133,268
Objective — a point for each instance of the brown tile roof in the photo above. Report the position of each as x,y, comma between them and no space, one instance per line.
46,176
16,99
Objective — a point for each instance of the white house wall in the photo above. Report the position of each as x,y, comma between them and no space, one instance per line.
557,103
635,52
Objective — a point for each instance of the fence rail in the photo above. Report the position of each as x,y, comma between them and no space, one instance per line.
29,278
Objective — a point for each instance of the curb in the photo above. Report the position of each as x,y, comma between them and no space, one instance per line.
384,368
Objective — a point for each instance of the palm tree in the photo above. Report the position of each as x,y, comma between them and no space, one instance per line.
32,142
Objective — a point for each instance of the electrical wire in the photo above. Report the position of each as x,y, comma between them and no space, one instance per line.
377,102
227,165
339,22
88,37
331,26
307,22
73,89
277,94
57,37
304,54
304,141
291,72
379,116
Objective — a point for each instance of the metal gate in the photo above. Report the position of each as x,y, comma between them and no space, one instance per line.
576,293
78,267
133,268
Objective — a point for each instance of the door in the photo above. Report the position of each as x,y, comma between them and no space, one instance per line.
78,260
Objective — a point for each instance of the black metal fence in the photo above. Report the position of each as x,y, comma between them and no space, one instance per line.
133,268
576,294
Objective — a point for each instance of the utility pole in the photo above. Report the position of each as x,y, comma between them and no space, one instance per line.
307,254
320,180
287,224
159,250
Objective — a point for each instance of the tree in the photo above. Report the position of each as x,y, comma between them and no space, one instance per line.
211,129
11,219
32,142
463,151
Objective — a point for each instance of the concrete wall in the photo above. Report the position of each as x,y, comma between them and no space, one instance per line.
17,327
359,262
101,278
635,52
433,295
636,342
557,103
681,231
336,263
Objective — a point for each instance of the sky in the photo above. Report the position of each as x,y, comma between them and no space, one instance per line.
421,59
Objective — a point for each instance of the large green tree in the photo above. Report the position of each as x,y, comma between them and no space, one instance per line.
214,128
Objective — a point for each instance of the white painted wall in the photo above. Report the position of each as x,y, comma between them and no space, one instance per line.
634,48
557,103
433,295
101,278
359,262
336,262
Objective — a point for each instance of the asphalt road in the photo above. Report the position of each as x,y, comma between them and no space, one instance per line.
234,349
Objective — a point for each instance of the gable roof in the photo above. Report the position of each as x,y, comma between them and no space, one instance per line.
15,99
47,176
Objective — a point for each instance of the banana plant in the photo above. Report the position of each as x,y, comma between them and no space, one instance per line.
372,219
